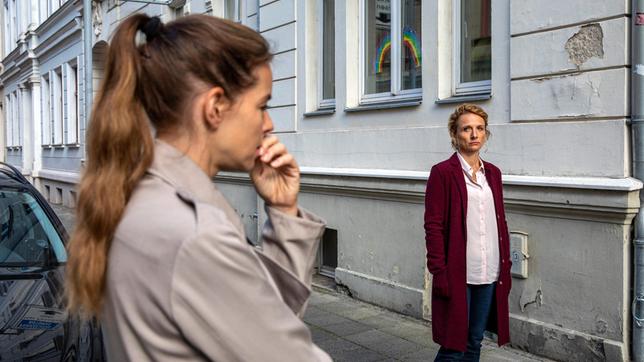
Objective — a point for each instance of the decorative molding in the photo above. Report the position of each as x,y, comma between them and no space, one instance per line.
591,183
55,18
607,200
61,36
97,19
60,176
383,292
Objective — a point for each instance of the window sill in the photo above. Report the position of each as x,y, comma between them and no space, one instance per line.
320,112
464,98
381,106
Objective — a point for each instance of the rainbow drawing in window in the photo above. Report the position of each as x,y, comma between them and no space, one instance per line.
410,40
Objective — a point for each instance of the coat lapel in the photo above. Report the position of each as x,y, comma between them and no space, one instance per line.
457,175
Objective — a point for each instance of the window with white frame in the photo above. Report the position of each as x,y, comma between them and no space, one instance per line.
57,106
7,29
232,10
46,110
17,127
473,46
43,10
13,18
391,49
9,121
326,75
13,120
71,100
54,5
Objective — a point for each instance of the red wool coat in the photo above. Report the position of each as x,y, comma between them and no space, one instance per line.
445,237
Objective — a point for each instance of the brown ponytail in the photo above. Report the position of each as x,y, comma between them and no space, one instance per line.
143,84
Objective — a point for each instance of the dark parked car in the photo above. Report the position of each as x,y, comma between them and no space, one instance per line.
33,323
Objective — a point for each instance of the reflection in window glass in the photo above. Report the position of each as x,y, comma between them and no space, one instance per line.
476,59
328,50
378,46
27,236
411,48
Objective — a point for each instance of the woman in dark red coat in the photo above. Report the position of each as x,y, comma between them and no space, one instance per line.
467,243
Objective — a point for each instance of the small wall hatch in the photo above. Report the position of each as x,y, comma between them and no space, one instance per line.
519,254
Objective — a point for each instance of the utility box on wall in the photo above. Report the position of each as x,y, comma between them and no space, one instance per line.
519,254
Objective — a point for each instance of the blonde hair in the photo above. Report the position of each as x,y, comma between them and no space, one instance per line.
148,83
452,123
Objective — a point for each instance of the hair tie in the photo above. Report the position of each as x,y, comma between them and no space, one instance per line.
152,28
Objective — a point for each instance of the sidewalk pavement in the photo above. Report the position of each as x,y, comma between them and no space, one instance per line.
351,330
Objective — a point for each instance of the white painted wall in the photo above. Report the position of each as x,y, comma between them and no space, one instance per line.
549,117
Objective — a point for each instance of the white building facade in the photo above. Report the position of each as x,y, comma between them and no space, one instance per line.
361,94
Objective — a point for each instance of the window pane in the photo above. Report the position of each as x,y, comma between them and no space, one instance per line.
231,10
378,46
27,236
328,51
411,44
476,59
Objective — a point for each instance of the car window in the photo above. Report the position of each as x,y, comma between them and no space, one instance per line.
27,236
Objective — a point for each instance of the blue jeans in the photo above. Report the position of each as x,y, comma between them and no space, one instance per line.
479,302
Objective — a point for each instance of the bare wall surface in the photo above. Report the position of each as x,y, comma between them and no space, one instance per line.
535,15
571,49
539,149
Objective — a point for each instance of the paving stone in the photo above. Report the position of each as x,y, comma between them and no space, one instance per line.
384,343
414,332
384,320
491,353
321,318
360,313
339,305
334,346
425,354
318,298
318,334
359,355
313,311
347,328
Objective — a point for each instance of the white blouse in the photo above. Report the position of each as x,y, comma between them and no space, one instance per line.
482,253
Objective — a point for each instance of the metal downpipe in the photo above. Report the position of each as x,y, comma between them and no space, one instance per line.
87,56
637,129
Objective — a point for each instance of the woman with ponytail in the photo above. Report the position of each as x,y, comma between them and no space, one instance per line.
158,254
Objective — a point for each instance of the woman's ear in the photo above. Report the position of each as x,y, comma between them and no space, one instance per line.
215,105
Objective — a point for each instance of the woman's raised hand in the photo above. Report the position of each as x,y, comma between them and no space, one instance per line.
276,176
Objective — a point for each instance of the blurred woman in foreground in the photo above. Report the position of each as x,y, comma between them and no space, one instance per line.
158,253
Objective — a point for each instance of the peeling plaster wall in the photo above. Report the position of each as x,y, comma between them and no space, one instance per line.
570,61
585,44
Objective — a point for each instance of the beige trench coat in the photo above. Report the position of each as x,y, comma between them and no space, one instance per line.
184,285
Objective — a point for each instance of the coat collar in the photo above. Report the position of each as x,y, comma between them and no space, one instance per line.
466,167
191,183
180,171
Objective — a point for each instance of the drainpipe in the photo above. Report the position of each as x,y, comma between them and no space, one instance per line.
87,52
637,128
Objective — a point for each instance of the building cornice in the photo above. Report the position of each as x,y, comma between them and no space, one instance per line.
598,199
62,36
57,16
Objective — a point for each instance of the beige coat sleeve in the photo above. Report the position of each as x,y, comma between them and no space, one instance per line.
293,248
226,304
